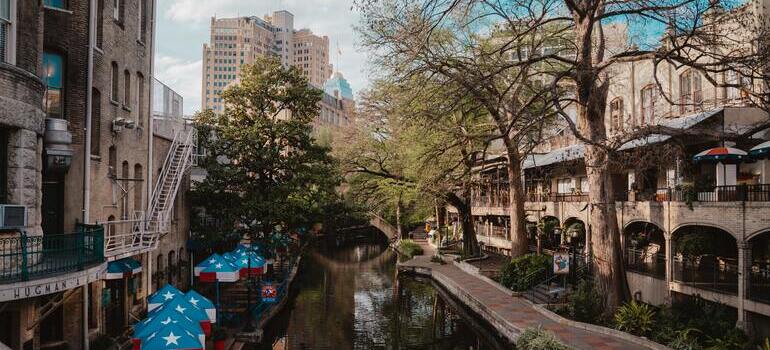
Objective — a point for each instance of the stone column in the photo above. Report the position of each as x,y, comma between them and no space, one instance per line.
744,271
669,262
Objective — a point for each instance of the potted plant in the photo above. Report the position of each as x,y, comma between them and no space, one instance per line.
218,336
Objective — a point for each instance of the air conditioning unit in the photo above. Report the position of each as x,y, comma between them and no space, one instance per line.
13,216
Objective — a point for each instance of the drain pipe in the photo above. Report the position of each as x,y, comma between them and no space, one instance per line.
150,132
87,151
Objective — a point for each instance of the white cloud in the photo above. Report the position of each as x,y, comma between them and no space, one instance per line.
182,76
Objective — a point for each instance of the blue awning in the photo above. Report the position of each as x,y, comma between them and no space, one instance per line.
122,268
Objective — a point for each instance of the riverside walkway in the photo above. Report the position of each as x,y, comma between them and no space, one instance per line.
510,315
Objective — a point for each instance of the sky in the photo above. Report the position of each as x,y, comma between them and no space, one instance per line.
183,27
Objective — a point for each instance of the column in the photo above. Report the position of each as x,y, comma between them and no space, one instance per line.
744,271
669,262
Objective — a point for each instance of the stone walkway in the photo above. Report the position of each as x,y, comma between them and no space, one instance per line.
507,313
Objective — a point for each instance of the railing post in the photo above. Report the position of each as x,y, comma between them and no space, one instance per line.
24,262
81,243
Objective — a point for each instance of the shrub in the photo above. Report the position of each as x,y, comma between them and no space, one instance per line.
685,340
765,345
523,272
409,248
585,303
538,339
635,318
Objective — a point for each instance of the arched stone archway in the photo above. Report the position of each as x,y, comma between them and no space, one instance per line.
759,268
548,233
706,257
644,248
574,231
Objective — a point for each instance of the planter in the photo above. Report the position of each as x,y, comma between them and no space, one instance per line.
219,344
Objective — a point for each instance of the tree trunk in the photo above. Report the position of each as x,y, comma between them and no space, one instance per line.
519,244
462,204
398,217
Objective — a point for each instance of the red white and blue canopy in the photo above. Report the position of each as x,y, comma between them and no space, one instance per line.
761,150
182,306
172,337
163,295
122,268
250,263
220,270
160,321
205,263
203,303
721,155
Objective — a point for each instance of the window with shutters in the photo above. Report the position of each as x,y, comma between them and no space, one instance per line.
648,105
616,114
690,91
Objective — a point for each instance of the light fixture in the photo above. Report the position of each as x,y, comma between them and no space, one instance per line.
130,124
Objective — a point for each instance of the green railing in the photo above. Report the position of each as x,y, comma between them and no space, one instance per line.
24,258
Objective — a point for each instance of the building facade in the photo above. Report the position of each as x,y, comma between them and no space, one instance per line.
78,150
237,41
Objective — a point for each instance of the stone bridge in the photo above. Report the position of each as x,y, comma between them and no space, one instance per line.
385,227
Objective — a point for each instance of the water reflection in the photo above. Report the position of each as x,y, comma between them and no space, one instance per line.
350,298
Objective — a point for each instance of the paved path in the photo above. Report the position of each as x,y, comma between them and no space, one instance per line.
515,312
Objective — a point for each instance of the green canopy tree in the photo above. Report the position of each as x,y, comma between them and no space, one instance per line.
263,168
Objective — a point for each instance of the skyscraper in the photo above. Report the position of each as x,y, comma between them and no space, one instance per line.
238,41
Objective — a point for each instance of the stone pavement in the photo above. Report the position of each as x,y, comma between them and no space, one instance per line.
510,314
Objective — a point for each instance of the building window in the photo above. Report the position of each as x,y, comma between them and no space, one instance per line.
118,10
114,90
690,92
99,23
96,121
564,186
5,31
112,162
59,4
616,114
138,188
648,105
140,98
53,64
3,166
142,20
126,89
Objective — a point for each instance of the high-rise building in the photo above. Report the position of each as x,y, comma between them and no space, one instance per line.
237,41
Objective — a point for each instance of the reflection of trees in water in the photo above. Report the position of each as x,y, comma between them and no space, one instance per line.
350,298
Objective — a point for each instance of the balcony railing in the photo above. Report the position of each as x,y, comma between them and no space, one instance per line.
759,285
732,193
646,263
708,272
25,258
557,197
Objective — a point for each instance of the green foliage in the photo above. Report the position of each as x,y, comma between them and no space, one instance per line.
409,248
694,244
523,272
585,303
538,339
263,167
765,345
695,323
685,339
635,318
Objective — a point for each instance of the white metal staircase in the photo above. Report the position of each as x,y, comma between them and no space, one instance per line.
125,238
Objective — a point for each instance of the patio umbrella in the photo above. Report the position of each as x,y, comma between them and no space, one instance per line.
221,270
205,263
203,303
760,151
122,268
164,294
230,256
251,263
172,337
182,306
727,155
160,320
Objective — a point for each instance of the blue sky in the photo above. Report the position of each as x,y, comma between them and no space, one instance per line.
183,27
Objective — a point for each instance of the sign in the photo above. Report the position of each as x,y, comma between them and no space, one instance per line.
36,288
561,263
269,293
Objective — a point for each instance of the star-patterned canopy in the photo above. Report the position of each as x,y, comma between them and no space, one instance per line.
122,268
172,337
250,263
203,303
205,263
163,319
164,294
220,270
182,306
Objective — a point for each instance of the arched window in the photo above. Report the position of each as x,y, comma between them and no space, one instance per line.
124,174
126,89
648,105
114,82
53,101
112,162
616,114
138,187
140,99
96,121
99,24
690,90
110,226
159,270
171,265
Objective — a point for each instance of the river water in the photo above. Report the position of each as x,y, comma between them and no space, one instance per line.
350,297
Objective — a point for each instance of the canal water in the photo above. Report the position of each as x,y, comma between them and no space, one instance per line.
350,297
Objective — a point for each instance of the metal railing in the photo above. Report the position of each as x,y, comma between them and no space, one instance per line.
731,193
557,197
759,285
25,258
646,263
708,272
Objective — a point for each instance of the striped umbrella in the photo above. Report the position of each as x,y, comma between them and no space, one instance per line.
160,320
182,306
172,337
721,155
163,295
760,151
202,302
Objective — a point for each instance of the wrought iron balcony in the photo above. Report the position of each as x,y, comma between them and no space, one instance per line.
25,258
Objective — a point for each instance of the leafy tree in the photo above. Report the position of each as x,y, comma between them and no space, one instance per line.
263,168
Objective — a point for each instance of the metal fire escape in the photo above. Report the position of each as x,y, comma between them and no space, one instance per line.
140,234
